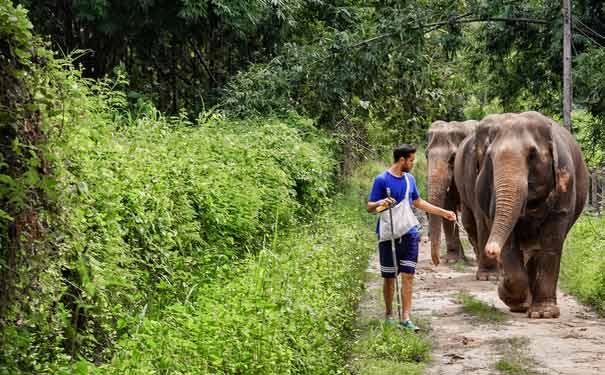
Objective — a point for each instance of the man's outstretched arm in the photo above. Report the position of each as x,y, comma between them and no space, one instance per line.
434,210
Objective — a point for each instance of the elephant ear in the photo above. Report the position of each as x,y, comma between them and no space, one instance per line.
482,142
562,163
484,184
457,135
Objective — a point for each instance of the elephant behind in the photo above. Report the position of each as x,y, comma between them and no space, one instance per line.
444,138
524,179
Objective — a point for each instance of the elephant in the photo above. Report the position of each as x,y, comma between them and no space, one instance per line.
523,177
443,140
466,170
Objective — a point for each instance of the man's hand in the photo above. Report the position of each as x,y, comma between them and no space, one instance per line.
380,205
386,202
383,204
449,215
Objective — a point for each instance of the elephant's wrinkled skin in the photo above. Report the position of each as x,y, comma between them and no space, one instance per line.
524,179
443,142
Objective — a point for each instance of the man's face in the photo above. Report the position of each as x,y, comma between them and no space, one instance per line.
407,164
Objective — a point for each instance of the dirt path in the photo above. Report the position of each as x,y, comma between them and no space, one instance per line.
572,344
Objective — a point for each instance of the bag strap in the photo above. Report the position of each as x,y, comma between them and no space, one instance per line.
407,188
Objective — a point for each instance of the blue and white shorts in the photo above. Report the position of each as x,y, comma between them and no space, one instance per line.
406,249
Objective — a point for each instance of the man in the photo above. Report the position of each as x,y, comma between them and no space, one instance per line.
407,246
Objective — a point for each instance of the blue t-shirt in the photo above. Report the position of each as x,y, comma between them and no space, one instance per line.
398,186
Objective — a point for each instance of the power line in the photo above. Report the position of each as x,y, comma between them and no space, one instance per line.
591,29
578,29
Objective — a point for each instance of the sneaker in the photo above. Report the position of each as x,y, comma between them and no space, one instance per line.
389,321
407,324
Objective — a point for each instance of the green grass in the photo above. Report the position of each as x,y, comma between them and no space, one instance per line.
388,367
479,309
583,263
514,359
512,367
384,349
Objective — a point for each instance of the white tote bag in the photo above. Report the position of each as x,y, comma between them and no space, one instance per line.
403,217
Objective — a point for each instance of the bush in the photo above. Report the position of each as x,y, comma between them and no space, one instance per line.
583,265
151,208
25,183
287,311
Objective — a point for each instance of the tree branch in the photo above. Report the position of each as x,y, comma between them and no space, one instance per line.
201,59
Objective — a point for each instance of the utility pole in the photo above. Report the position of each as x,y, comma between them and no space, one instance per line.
567,88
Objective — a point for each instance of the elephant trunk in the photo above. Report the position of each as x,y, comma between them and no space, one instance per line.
510,188
439,182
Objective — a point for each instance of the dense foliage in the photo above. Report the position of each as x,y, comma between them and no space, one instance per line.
404,63
582,265
287,311
322,59
24,168
178,52
151,209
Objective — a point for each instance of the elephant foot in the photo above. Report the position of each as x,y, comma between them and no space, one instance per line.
514,293
453,256
521,308
486,274
545,310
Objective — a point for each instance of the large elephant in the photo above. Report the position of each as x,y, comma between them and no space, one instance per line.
443,141
528,183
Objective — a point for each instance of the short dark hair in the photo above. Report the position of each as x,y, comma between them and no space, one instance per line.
403,150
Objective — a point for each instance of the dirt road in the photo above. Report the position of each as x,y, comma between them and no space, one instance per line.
572,344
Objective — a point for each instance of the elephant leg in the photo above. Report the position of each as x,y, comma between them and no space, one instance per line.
543,271
486,267
514,285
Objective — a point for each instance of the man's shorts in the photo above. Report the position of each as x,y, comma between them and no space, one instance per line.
406,249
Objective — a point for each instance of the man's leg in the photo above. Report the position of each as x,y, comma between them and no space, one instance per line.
407,280
407,252
387,271
387,290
